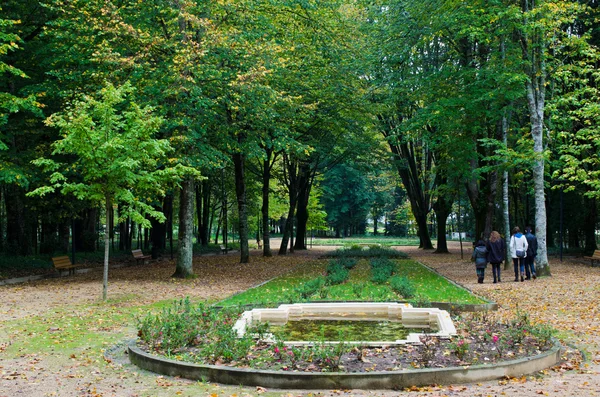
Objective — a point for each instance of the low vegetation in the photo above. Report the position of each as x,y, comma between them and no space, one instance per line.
204,334
370,251
377,279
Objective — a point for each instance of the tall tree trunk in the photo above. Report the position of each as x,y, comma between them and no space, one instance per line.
535,102
85,230
48,237
482,196
203,211
304,187
505,201
108,208
184,266
590,226
63,235
266,179
533,46
199,201
205,230
2,218
158,235
219,225
419,204
375,231
17,241
224,228
240,190
442,208
290,170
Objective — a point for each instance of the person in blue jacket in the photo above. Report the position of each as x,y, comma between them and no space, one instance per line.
531,254
480,258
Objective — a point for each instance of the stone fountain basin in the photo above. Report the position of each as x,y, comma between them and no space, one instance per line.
410,317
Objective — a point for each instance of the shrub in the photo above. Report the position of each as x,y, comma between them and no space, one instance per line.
329,356
337,273
358,288
309,288
381,270
543,333
460,348
185,325
403,287
420,301
348,263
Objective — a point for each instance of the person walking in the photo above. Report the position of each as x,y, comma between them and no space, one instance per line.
496,254
531,254
480,258
518,248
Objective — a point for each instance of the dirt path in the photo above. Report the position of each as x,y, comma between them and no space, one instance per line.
46,312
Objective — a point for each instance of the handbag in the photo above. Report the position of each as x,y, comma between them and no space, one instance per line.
520,254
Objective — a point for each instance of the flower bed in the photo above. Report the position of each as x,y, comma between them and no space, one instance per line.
203,335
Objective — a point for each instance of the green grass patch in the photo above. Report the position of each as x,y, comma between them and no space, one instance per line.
427,286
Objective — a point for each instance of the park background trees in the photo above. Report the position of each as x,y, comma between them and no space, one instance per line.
475,116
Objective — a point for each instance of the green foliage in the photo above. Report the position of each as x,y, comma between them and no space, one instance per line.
184,324
118,157
346,197
309,288
381,270
403,287
420,300
460,348
329,355
430,286
9,103
337,273
348,263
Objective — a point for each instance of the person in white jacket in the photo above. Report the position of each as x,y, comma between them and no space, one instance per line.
518,249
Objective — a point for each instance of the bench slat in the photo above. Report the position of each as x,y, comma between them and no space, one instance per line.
139,255
63,263
595,257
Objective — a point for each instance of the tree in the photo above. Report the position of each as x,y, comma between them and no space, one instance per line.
116,154
539,31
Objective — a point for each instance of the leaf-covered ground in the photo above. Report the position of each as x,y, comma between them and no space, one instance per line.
54,333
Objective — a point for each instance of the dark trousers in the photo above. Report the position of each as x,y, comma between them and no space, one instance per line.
496,271
519,265
529,266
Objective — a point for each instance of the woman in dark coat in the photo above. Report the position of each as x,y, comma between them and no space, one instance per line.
496,253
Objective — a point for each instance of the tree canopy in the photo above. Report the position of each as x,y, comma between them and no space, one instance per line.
346,111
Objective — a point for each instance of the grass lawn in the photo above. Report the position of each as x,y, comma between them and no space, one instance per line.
430,287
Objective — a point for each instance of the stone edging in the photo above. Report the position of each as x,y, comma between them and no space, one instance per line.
320,380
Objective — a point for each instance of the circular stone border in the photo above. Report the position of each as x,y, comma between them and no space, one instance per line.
337,380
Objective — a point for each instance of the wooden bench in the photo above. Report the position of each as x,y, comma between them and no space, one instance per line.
64,263
594,258
223,249
139,256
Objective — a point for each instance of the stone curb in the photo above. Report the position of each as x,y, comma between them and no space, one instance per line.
371,380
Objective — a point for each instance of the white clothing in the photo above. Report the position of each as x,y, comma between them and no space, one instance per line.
519,243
